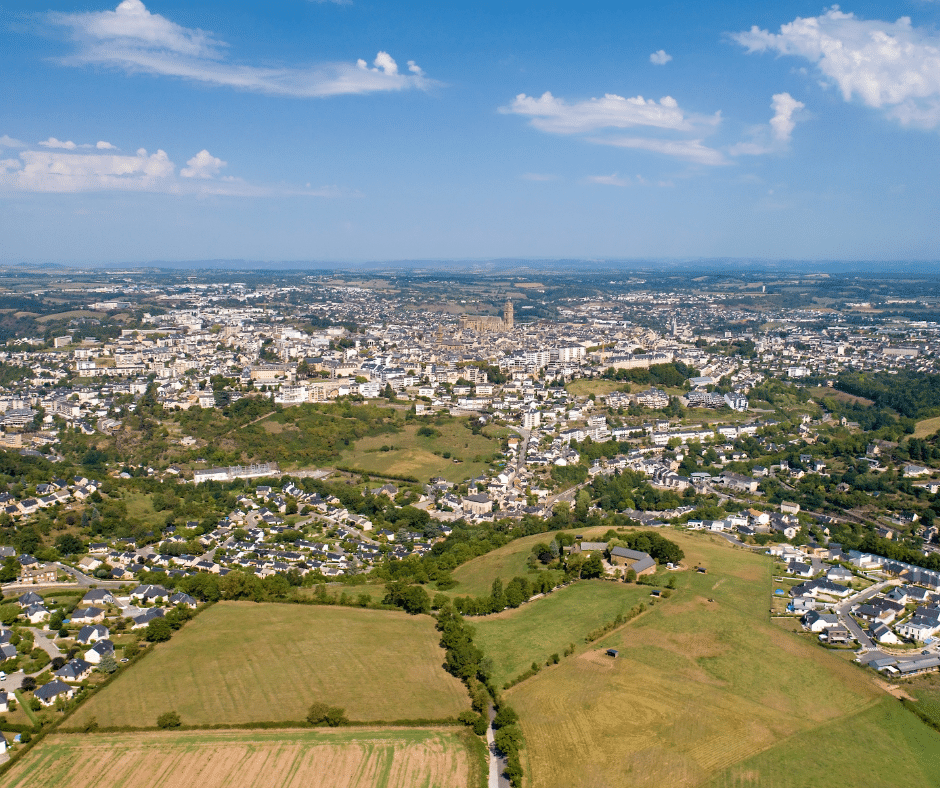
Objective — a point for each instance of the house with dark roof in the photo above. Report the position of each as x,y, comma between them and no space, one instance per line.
75,671
47,694
641,563
91,634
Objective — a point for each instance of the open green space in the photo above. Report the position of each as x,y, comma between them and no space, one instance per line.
882,745
583,387
345,758
407,453
701,683
516,638
926,427
244,662
475,578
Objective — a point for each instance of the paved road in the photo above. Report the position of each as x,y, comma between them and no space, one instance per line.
737,542
842,610
497,762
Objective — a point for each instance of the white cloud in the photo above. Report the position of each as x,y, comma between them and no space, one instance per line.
555,115
203,165
892,66
60,170
134,39
775,136
688,150
102,145
660,58
607,180
52,142
782,123
7,141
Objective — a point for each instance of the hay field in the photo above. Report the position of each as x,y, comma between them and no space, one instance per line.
699,686
926,427
413,454
883,745
245,662
476,576
532,633
287,758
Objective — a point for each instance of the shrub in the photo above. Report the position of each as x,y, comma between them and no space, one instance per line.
321,714
169,719
159,630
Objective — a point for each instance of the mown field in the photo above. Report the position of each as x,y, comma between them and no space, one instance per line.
882,745
702,683
475,578
515,638
390,758
584,387
926,427
245,662
414,455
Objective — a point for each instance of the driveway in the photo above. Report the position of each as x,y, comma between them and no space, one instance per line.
44,642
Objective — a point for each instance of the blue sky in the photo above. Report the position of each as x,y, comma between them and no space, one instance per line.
364,130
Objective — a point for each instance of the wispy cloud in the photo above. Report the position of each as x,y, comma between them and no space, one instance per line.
892,66
775,136
133,39
548,113
540,177
607,180
598,116
60,169
687,150
7,141
660,58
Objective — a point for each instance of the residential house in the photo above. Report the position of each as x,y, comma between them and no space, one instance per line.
92,634
97,651
47,694
75,671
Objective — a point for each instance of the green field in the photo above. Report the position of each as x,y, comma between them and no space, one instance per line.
475,578
882,745
515,638
245,662
701,684
414,455
583,387
926,427
291,758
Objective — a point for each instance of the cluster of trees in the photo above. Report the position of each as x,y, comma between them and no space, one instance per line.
672,375
912,394
515,592
630,490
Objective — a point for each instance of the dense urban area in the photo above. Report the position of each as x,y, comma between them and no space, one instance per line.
369,441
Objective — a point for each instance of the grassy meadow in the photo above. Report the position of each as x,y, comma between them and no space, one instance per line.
244,662
475,578
414,455
348,758
702,683
882,745
514,639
